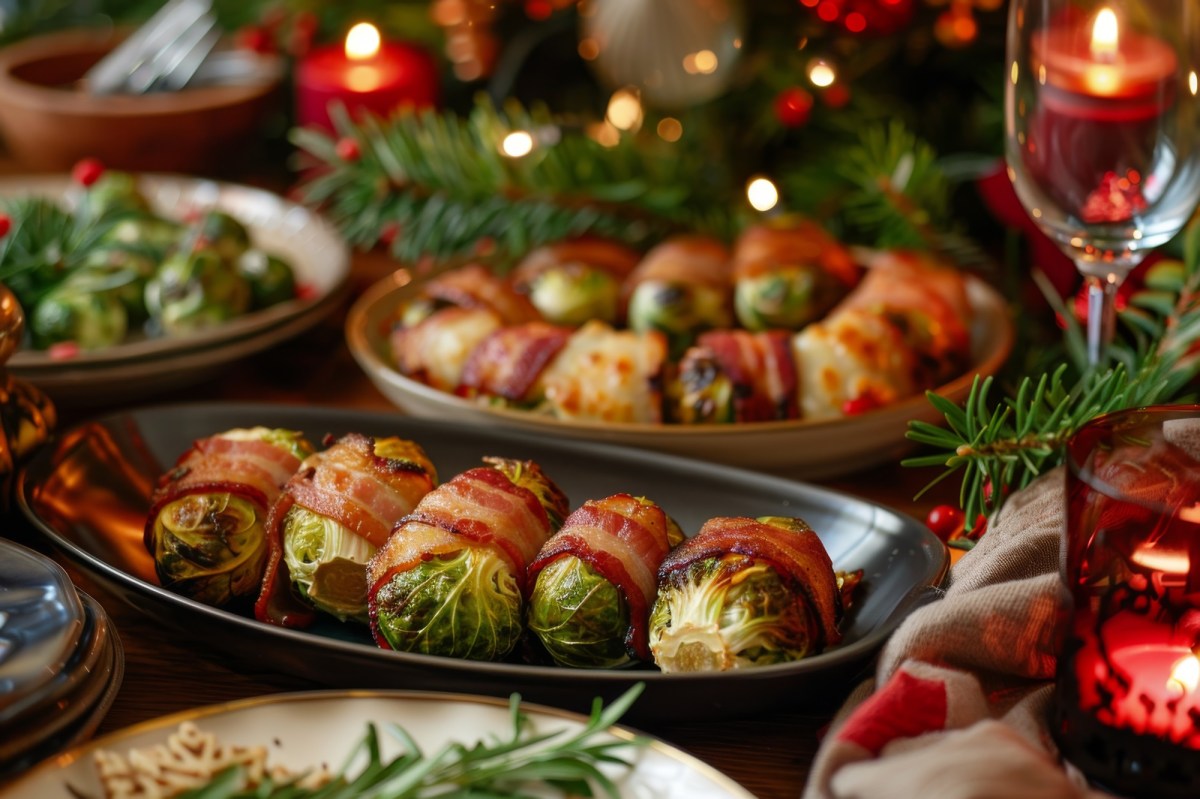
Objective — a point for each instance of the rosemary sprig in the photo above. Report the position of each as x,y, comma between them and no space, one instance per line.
496,768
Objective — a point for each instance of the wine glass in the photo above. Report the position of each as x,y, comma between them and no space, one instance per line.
1101,136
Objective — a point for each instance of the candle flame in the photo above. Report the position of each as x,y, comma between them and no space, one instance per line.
1185,675
362,42
1105,34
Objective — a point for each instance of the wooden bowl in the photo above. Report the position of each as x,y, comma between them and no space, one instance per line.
49,123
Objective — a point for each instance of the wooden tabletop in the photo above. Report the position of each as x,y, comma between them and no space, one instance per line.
166,671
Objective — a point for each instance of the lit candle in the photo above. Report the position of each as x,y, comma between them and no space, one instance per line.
365,74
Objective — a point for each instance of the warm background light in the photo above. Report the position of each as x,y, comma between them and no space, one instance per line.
517,144
1105,34
362,42
762,194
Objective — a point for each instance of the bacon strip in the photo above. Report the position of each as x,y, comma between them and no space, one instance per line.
623,540
249,468
509,361
476,286
761,367
349,483
479,507
798,557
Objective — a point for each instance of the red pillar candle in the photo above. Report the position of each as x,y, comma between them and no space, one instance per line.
1102,89
366,75
1128,699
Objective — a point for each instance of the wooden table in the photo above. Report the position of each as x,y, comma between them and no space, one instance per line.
168,672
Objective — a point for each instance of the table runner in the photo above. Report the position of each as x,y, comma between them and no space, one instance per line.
957,708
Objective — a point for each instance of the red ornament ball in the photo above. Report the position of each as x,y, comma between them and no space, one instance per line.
865,17
5,225
87,171
793,106
347,149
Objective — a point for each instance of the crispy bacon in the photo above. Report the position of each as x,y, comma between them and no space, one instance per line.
479,507
624,540
476,286
246,467
761,367
792,241
509,361
352,485
613,257
683,259
436,349
798,557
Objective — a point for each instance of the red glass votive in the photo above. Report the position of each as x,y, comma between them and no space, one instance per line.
1127,707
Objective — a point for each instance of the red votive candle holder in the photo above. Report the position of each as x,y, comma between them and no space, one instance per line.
1104,88
366,75
1127,705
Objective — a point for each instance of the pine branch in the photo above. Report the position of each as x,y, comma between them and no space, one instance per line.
1001,447
443,183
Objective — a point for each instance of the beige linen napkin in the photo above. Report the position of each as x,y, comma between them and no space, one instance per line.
957,708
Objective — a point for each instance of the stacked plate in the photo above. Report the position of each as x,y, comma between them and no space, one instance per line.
61,661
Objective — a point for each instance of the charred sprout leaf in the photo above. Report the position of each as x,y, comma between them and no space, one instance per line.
579,617
464,605
529,475
524,764
704,393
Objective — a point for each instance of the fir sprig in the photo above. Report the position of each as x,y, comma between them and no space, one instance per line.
502,767
1000,447
443,183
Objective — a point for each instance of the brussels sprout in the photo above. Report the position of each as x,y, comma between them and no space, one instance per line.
219,231
703,392
113,192
573,294
192,291
271,278
787,297
680,310
465,604
731,611
326,560
580,617
123,272
212,545
74,311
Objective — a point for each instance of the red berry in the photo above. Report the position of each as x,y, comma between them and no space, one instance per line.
347,149
254,39
836,95
793,106
859,405
307,291
388,234
63,350
5,225
87,171
945,521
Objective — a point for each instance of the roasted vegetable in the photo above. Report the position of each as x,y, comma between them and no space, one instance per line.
744,592
680,288
736,376
571,282
206,526
451,578
271,278
334,514
594,580
114,191
220,231
195,290
82,309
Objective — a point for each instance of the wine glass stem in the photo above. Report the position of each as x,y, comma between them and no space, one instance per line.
1101,315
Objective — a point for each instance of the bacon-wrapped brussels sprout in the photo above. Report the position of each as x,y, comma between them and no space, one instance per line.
736,376
333,515
570,282
207,523
787,273
272,279
195,290
744,592
680,288
594,580
451,578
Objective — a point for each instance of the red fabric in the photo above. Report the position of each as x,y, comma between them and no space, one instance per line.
905,707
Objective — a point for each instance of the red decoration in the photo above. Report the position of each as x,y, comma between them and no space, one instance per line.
5,225
837,95
347,149
860,404
87,171
793,106
865,17
907,706
946,522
